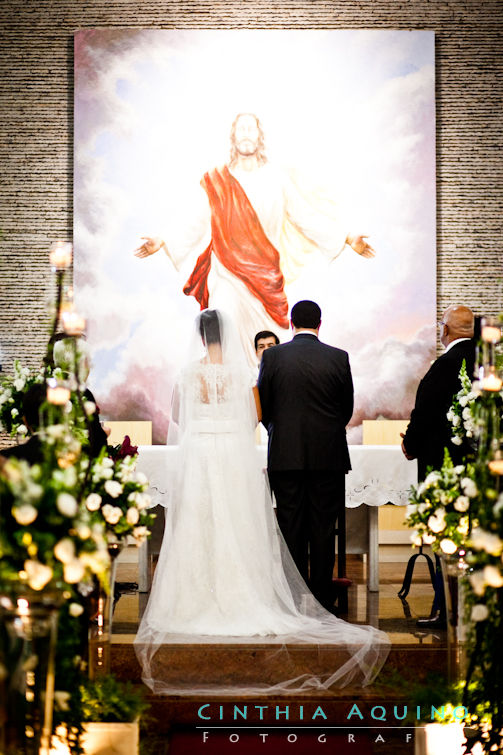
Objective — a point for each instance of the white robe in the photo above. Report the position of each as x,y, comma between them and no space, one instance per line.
295,223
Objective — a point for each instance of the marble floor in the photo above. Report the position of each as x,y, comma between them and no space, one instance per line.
416,658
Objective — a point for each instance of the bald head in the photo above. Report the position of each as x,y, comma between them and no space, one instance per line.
458,323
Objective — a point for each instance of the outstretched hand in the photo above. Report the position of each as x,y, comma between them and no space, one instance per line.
360,246
150,246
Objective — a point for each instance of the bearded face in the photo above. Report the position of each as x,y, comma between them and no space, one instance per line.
246,135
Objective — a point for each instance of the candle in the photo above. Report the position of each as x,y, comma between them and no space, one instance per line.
491,333
496,466
56,393
492,382
73,323
60,255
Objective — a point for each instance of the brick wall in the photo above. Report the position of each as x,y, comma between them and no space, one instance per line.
36,96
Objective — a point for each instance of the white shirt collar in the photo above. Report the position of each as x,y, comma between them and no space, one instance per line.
453,343
308,332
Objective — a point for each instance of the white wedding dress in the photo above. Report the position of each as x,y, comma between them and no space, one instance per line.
224,573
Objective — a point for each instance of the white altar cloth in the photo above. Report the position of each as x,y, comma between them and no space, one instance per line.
379,475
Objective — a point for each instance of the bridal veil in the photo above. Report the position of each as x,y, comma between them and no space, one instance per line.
228,611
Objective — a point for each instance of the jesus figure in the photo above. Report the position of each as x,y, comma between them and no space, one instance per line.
251,232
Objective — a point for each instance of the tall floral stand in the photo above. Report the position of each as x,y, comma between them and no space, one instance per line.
28,644
101,618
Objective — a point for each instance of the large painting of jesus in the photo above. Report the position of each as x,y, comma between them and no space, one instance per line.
245,170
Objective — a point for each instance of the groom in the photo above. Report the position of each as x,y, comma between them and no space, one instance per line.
306,392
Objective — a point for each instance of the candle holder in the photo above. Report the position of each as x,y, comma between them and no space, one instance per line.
60,255
490,330
490,380
58,392
73,323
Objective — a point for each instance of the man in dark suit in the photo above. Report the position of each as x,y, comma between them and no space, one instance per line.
429,431
306,392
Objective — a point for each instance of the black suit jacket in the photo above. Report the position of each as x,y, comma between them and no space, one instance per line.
306,392
429,430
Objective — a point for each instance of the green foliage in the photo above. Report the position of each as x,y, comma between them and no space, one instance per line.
106,699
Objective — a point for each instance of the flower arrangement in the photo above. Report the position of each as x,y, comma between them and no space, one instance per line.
460,510
443,506
462,414
117,497
61,517
47,540
12,389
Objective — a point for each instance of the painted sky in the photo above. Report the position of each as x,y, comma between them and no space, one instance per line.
349,111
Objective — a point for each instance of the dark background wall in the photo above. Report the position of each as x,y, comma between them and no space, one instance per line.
36,127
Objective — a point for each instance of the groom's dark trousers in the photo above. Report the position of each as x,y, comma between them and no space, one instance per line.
306,392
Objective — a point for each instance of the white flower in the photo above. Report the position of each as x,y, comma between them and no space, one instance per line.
450,415
38,574
132,516
107,474
89,407
456,440
463,525
107,462
75,609
111,513
113,488
448,546
436,522
67,477
480,612
469,487
463,400
477,581
486,541
432,479
428,539
66,504
74,571
24,514
55,431
459,469
14,412
141,478
410,509
462,503
125,473
416,538
140,534
83,531
22,430
466,413
492,576
19,384
456,420
65,550
62,699
93,501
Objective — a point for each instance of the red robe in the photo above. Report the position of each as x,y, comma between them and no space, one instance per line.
239,242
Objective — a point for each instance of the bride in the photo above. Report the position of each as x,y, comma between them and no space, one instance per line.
224,573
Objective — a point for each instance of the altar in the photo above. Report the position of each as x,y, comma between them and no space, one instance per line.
379,475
